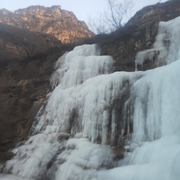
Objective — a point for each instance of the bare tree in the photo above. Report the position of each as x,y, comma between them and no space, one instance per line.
112,19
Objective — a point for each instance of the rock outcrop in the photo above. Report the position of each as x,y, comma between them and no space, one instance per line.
50,20
30,42
16,43
26,64
137,35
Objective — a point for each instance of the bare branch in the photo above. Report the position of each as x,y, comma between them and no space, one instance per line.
112,19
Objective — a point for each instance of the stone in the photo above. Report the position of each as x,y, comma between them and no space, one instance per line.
26,64
137,35
50,20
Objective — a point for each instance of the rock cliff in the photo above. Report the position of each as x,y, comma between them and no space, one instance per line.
50,20
137,35
26,63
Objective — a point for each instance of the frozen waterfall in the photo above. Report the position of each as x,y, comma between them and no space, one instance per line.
99,125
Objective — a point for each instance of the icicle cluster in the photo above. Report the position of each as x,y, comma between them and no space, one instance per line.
91,110
166,48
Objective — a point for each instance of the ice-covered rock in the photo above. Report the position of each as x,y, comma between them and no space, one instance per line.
93,115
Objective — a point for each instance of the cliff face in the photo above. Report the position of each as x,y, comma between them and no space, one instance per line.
26,64
138,35
160,11
52,20
30,42
16,43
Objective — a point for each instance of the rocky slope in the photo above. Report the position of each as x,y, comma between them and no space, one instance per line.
137,35
26,63
30,42
16,43
50,20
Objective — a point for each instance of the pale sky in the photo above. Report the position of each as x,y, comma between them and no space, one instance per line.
81,8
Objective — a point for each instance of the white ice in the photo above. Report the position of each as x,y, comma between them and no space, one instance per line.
67,104
84,108
166,48
83,159
11,177
156,130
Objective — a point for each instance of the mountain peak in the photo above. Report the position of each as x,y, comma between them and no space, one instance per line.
53,20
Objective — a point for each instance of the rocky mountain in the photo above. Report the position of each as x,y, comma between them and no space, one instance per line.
50,20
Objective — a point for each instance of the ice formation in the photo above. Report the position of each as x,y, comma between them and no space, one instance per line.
92,115
166,48
11,177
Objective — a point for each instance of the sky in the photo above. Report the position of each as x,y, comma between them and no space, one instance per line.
81,8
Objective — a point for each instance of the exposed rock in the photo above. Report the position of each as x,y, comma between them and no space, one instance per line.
63,136
26,63
50,20
16,43
160,11
137,35
130,42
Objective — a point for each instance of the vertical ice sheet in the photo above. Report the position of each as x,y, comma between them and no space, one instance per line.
166,48
79,104
89,108
156,128
157,101
83,62
87,103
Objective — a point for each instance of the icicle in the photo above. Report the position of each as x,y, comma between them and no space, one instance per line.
91,109
166,48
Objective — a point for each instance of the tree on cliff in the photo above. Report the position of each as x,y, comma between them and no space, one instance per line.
113,18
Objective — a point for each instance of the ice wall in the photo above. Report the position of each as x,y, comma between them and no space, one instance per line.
84,104
155,144
156,128
166,47
93,115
